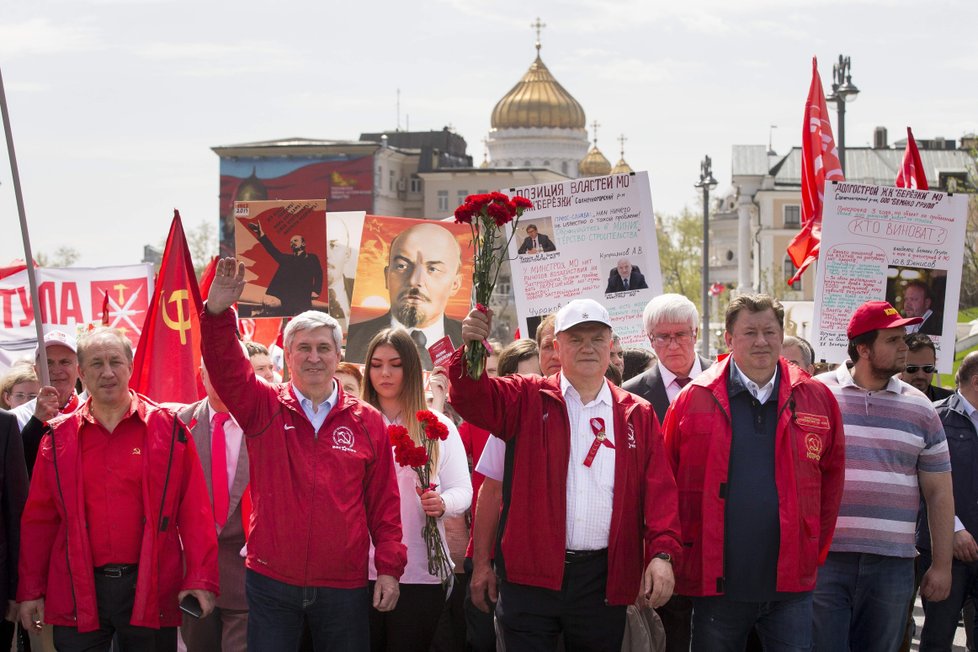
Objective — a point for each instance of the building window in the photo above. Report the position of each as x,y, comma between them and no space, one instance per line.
789,271
390,184
546,164
563,168
792,215
415,184
442,200
461,195
527,164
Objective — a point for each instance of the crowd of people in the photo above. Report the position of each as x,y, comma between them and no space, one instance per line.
585,492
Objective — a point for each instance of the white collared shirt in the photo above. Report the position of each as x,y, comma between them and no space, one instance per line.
316,413
590,490
760,393
432,334
233,435
669,378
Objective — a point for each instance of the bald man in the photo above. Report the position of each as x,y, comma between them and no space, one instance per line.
423,272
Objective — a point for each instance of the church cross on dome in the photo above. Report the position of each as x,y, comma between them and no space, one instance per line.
594,126
621,141
538,25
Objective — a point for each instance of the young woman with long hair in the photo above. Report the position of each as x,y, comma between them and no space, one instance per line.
393,383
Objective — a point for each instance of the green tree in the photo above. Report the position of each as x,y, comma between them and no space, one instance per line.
680,239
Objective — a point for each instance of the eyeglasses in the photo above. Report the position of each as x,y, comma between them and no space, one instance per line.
678,338
21,396
927,368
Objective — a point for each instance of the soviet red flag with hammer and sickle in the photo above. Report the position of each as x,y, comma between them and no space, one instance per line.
168,354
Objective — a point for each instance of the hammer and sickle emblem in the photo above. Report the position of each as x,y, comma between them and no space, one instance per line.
182,323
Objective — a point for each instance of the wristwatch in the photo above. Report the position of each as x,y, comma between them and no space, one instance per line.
663,555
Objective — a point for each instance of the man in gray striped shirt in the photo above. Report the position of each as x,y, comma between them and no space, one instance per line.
895,451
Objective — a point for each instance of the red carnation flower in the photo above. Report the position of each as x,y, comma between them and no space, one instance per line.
522,202
498,213
464,214
396,432
478,201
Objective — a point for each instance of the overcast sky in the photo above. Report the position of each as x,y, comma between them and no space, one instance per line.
116,103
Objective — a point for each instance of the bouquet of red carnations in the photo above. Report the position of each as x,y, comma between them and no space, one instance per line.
487,216
418,457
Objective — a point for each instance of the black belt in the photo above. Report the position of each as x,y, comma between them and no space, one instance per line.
115,570
577,556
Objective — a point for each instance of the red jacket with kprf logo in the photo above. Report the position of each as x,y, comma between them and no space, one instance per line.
530,411
809,471
319,498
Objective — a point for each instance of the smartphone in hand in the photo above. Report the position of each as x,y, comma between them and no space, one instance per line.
190,605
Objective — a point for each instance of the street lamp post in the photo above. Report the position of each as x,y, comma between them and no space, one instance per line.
707,183
843,90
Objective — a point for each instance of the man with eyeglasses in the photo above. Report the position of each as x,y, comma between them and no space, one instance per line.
921,360
671,325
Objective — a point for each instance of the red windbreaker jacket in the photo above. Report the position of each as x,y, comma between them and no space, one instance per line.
809,473
55,553
531,411
318,499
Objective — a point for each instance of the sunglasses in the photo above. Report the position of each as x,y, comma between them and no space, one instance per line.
927,368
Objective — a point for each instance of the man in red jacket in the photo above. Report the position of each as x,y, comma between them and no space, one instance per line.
322,483
118,527
589,515
759,455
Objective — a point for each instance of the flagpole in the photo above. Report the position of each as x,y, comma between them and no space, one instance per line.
42,356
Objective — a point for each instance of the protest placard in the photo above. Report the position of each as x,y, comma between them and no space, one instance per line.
283,247
71,299
587,238
899,244
412,273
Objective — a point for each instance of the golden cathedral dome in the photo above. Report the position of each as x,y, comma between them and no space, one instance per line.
538,100
621,167
594,164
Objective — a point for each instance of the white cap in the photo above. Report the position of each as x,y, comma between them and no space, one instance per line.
57,338
580,311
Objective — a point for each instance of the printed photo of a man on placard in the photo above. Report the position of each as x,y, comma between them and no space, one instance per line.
411,274
918,292
535,241
283,247
625,277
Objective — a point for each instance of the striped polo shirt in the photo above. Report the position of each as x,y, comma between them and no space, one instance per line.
891,435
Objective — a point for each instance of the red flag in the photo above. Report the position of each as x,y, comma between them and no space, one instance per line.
911,173
106,319
207,276
168,355
819,162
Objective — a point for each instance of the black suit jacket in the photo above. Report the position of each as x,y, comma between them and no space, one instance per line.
649,386
636,281
545,243
360,334
13,495
933,325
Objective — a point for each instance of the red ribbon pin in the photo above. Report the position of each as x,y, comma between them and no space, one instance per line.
600,439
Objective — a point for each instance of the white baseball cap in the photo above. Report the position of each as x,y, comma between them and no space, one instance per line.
57,338
580,311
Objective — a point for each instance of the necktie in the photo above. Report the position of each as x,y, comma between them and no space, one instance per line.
535,245
419,339
682,382
219,469
624,282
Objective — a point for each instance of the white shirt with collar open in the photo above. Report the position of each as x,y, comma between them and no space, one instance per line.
760,393
316,413
590,489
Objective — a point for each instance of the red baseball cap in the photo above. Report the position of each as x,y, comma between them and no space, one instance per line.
874,315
